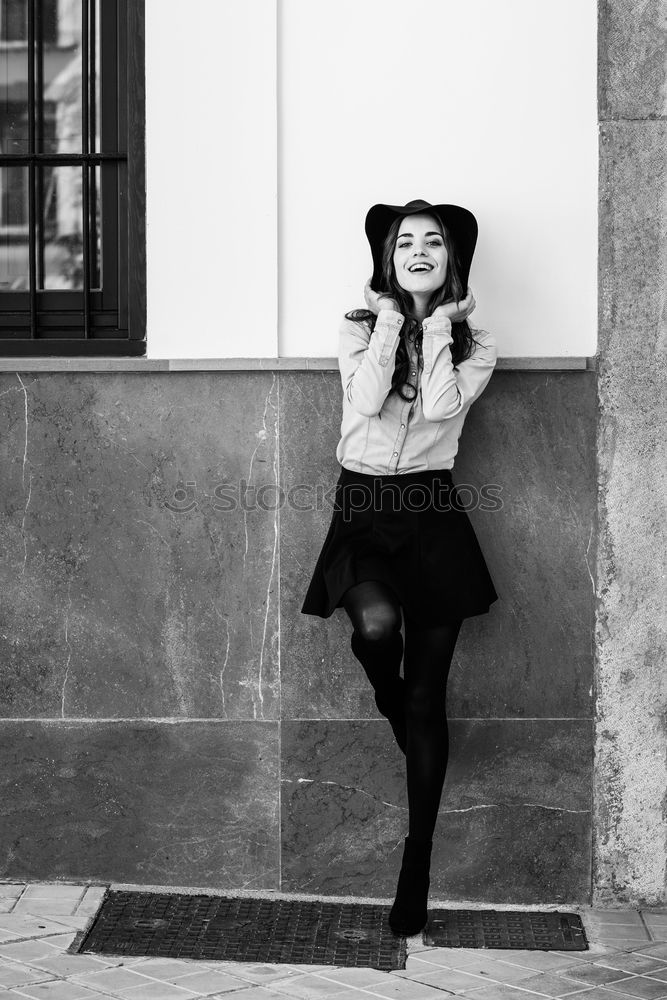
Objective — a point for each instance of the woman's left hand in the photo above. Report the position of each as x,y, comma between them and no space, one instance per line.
456,312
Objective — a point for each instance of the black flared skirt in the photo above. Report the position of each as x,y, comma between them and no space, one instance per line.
411,531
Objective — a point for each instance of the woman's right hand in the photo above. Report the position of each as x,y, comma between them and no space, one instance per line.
378,300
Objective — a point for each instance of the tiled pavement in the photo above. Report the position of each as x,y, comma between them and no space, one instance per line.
38,922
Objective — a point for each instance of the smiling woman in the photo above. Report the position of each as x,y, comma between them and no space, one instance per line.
400,546
418,239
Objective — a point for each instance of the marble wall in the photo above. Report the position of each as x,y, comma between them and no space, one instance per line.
167,714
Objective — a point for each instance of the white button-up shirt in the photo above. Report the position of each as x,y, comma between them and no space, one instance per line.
383,434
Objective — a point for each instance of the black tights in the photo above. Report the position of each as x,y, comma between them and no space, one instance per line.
377,643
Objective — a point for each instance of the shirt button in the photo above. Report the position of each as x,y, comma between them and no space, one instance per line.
402,425
414,373
395,453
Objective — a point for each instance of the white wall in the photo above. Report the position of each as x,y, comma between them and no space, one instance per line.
490,104
211,178
486,103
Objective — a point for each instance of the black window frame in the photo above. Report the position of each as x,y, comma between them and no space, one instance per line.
111,320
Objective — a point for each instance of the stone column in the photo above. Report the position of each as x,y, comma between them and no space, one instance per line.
630,787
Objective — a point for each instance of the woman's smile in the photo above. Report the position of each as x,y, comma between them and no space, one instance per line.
420,255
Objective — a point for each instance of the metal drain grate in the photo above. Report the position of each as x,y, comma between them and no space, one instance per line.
505,929
245,930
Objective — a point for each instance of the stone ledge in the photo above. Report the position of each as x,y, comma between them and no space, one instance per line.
102,364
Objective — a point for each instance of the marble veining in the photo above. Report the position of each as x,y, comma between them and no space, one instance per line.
121,598
513,826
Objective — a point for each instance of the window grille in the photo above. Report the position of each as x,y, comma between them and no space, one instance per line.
72,206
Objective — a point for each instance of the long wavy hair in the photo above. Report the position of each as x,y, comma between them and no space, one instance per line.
451,289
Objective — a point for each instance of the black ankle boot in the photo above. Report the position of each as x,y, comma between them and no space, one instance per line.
391,704
409,913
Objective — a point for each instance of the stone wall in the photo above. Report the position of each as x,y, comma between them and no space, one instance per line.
167,715
630,834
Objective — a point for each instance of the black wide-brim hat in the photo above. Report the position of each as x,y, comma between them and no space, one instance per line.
461,224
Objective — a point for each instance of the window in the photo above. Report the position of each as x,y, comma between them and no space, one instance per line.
72,205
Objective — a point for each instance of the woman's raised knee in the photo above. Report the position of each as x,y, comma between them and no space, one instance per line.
378,628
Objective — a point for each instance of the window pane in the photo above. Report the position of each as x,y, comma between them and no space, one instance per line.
63,75
13,82
14,20
95,196
49,10
60,238
59,116
95,69
13,127
60,242
13,229
61,69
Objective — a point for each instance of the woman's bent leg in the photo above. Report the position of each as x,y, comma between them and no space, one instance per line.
377,643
